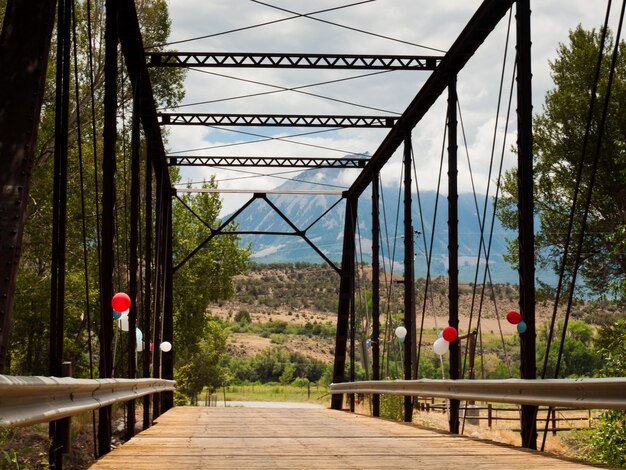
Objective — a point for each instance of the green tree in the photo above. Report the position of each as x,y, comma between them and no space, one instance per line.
243,317
288,374
205,277
559,131
203,368
608,440
579,359
30,322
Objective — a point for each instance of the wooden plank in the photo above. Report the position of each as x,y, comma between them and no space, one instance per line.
196,437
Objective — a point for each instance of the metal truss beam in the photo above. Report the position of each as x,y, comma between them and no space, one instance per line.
292,162
300,61
263,192
346,297
526,240
477,30
275,120
24,49
132,48
221,229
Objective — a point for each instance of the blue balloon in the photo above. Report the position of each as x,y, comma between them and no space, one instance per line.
521,327
116,315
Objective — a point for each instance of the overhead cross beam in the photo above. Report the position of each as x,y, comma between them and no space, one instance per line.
275,120
477,30
299,61
262,193
221,230
280,162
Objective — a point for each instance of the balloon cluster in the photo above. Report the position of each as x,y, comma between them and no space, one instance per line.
121,305
165,346
442,344
515,318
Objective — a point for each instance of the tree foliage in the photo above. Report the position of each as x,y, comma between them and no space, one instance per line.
608,440
579,359
559,131
205,278
208,275
203,369
274,364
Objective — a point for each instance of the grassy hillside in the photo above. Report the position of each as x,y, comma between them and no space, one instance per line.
293,306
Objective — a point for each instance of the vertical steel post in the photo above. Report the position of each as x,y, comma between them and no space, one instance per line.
158,290
346,296
59,193
409,277
471,373
525,214
147,297
61,441
24,49
167,398
134,244
453,247
57,429
352,348
108,216
375,289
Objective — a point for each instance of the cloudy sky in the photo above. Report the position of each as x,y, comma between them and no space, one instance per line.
411,24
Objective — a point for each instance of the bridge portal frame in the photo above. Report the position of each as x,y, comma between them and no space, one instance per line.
123,27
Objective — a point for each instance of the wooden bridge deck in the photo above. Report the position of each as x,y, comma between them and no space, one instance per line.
200,438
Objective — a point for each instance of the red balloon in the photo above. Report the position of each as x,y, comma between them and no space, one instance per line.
120,302
513,317
449,333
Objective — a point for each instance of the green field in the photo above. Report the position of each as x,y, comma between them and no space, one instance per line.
271,392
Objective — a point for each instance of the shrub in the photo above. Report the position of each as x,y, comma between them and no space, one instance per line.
392,407
243,317
300,382
277,338
609,439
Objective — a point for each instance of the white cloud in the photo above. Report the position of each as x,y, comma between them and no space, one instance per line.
416,21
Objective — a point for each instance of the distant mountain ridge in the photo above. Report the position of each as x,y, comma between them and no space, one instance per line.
327,233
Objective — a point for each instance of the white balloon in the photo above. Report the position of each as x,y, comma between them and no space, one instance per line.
138,335
123,323
139,346
166,346
125,313
401,332
441,346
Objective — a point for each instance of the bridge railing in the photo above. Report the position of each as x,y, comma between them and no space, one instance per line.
598,394
30,400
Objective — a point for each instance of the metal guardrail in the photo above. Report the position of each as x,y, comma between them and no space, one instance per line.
31,400
599,394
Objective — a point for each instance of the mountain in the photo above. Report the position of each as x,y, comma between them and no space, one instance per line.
327,233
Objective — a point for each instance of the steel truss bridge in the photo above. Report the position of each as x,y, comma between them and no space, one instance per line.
23,60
